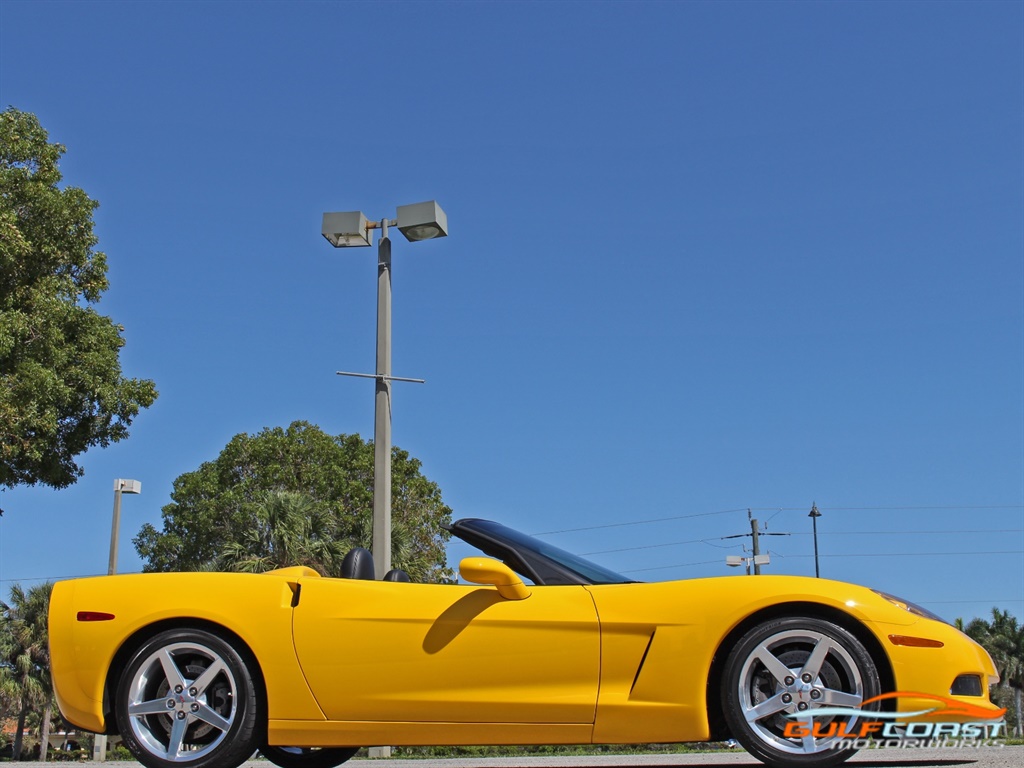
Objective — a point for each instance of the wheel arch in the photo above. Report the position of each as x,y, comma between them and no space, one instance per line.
144,634
797,609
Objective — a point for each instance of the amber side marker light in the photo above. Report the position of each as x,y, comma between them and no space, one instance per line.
94,616
915,642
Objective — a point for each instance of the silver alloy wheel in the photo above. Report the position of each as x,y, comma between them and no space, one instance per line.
797,671
182,701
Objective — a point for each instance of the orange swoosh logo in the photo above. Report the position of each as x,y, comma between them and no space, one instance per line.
946,706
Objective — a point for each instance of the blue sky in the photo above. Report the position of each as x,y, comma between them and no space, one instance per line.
704,257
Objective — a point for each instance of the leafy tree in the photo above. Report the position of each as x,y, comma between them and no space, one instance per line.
1003,638
61,388
25,657
226,513
288,529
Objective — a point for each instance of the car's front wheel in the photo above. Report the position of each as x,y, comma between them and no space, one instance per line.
187,699
307,757
780,673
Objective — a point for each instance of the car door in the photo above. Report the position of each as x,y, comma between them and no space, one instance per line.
392,651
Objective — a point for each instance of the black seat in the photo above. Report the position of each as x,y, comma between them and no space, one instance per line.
358,564
396,574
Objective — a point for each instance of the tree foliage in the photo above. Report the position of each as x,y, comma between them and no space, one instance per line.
1003,638
25,656
288,529
295,495
61,388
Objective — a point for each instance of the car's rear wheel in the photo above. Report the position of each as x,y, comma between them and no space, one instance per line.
307,757
783,670
187,700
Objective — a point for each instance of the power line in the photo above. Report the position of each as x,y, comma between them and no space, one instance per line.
873,554
641,522
666,567
710,542
906,533
64,578
911,554
782,509
888,509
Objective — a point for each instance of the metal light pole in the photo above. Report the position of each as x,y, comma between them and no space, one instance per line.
120,486
99,744
421,221
382,412
814,515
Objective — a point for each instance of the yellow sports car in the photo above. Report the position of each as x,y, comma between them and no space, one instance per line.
540,647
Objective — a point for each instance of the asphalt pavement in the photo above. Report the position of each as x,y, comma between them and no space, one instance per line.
984,757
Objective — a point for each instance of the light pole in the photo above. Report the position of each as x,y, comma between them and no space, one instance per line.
120,486
420,221
99,744
814,515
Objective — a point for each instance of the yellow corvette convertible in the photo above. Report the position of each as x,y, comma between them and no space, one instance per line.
199,670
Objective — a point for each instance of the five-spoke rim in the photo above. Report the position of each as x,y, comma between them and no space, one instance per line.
797,672
181,701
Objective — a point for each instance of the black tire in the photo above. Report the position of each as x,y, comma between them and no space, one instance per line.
307,757
788,666
187,700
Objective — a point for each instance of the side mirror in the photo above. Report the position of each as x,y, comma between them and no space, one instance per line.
483,570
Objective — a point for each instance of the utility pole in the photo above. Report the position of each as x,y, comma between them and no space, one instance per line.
757,559
756,544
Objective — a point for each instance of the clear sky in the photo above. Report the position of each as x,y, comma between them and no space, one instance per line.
704,257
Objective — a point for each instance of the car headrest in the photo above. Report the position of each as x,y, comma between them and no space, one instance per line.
396,574
358,564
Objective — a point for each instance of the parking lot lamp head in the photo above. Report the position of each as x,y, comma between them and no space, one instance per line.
422,221
346,229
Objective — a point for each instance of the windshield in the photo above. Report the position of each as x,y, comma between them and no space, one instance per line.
525,545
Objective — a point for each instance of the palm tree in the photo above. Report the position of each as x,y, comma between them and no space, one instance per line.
25,657
288,529
1006,644
1003,638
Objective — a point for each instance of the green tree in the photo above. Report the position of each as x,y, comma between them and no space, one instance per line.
287,529
1003,638
1006,645
25,657
221,514
61,388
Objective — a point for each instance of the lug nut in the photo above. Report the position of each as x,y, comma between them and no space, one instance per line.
193,691
801,706
170,703
181,715
815,694
786,698
789,680
806,677
178,689
195,707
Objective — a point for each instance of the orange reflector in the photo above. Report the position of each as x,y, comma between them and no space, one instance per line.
915,642
94,616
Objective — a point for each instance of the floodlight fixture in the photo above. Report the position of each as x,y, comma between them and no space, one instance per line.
346,229
422,221
734,560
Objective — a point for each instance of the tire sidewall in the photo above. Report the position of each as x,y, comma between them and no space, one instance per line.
733,705
328,757
240,740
